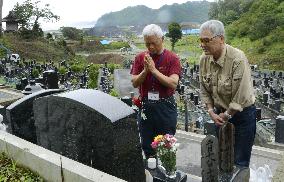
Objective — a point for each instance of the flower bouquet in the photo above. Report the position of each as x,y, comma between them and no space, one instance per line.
166,147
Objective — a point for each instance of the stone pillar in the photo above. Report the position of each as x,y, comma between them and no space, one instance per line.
226,150
209,159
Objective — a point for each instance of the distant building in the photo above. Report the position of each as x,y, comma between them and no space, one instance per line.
105,42
191,31
11,22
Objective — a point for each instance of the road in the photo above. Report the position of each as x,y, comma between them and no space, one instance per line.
122,83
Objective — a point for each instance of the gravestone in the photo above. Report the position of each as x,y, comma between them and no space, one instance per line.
280,74
24,83
20,116
191,71
258,114
265,98
266,82
191,96
277,105
51,79
209,159
93,128
209,128
182,88
127,100
277,95
196,98
226,151
187,83
279,134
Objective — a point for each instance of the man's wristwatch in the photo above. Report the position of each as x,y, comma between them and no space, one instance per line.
229,116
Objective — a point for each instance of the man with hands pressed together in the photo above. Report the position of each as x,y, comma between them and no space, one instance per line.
226,88
156,73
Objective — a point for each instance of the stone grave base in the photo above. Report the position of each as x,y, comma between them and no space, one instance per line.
159,176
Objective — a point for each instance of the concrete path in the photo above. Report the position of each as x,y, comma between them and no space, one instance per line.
122,82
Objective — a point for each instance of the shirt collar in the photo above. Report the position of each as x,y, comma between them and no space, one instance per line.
221,60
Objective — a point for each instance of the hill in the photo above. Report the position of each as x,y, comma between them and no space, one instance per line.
39,49
196,11
258,31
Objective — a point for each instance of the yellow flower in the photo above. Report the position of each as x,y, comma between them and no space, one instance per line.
158,138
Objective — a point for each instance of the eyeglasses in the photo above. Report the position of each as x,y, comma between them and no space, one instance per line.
207,40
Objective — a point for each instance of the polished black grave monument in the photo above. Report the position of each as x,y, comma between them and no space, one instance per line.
93,128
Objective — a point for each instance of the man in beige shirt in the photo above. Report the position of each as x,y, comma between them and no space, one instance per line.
226,88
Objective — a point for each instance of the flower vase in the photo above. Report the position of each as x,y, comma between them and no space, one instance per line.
168,162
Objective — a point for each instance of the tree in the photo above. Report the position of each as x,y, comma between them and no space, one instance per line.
174,33
72,33
49,36
228,11
29,13
1,6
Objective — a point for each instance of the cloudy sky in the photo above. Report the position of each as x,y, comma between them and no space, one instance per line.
86,12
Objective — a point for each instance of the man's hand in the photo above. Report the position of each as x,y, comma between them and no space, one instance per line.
149,63
146,67
216,118
224,117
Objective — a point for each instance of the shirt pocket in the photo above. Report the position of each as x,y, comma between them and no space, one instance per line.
207,80
224,86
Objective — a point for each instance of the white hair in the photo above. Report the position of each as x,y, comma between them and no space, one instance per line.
152,29
214,26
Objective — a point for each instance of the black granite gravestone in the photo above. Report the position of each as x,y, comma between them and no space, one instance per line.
265,99
20,115
93,128
279,134
51,79
24,83
258,114
191,96
182,88
127,100
277,105
209,128
280,74
196,99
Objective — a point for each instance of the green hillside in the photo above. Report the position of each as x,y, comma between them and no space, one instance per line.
39,49
258,31
141,15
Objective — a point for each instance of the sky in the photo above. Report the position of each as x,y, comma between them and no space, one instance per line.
86,12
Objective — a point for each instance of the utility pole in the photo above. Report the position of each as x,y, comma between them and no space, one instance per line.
1,5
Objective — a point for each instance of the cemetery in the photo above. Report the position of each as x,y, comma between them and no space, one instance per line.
68,109
50,120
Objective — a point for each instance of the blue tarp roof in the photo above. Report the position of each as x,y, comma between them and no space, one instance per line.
191,31
105,42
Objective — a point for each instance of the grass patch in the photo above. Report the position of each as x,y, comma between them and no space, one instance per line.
10,171
187,47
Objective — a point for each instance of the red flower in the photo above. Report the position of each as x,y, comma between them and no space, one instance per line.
136,101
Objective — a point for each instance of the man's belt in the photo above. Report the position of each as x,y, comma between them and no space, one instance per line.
221,109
